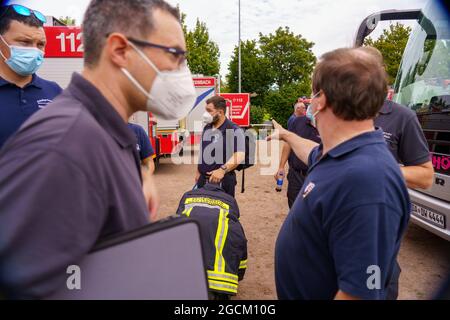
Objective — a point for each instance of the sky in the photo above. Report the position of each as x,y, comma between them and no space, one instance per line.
330,24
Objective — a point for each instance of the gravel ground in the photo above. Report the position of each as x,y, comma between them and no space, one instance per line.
424,257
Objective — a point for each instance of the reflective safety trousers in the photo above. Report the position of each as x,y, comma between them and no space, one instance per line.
223,237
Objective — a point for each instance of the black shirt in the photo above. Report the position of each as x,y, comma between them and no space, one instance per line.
69,177
302,127
219,145
403,134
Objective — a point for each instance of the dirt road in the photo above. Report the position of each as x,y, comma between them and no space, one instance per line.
424,257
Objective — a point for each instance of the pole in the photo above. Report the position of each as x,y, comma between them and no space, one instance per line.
218,82
239,63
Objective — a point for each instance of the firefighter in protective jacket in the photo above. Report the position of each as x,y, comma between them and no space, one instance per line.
223,237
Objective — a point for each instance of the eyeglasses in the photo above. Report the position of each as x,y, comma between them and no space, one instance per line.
315,95
26,12
179,54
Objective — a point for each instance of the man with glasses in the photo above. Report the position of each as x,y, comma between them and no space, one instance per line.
22,92
71,175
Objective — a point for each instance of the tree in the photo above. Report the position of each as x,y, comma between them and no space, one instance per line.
280,102
290,56
391,44
257,115
68,21
203,53
256,71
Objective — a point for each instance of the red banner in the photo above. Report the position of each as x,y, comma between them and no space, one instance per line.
63,42
239,108
204,82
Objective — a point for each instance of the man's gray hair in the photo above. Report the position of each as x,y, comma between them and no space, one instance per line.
133,18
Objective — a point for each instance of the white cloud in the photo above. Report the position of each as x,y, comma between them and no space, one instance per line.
329,24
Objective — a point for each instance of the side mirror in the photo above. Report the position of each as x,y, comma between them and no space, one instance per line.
370,23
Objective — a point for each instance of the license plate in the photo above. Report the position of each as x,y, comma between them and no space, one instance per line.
434,218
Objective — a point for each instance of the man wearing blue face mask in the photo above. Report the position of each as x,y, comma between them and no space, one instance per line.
343,233
72,174
22,92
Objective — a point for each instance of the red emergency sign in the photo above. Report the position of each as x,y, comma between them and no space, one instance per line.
63,42
239,108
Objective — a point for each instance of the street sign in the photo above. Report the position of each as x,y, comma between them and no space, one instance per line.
238,105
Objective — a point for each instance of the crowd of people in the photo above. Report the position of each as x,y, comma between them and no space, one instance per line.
73,171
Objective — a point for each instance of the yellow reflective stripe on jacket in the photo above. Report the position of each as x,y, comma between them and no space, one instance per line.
221,236
187,212
223,276
243,264
211,202
227,287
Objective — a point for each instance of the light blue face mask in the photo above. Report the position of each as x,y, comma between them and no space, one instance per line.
310,115
23,61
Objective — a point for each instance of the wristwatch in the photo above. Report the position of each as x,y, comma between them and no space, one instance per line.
224,168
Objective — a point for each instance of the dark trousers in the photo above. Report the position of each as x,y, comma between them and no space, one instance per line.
228,182
295,178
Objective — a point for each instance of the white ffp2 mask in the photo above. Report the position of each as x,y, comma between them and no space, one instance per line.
207,118
172,94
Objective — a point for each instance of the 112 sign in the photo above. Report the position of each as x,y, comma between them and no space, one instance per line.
74,45
63,42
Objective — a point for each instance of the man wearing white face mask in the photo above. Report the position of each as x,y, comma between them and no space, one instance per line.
222,147
22,92
71,175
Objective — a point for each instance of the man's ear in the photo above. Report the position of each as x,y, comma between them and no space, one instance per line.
322,102
117,48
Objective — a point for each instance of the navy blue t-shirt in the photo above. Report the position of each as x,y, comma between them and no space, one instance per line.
302,127
348,219
219,145
18,104
291,118
143,146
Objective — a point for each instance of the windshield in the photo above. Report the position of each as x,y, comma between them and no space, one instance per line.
423,81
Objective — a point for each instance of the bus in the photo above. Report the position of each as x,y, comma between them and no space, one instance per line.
423,84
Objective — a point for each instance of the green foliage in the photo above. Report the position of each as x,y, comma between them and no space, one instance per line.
203,53
290,56
256,72
391,44
280,103
68,21
277,67
257,115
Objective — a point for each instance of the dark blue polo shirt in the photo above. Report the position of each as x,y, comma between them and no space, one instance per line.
302,127
143,146
291,118
219,145
69,177
18,104
350,215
